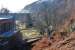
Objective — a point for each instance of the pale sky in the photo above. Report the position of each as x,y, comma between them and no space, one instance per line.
15,5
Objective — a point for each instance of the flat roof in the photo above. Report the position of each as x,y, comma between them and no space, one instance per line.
5,17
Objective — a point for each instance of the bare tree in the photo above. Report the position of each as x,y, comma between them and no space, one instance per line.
4,10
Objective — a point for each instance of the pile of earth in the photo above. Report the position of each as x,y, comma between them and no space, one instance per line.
58,41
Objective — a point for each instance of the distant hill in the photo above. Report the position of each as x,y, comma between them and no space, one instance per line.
55,11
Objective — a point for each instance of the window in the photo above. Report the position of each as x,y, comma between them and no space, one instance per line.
5,27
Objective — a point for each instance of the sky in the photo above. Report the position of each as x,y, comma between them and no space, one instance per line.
15,5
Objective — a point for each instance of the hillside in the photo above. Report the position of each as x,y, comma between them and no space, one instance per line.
46,13
63,38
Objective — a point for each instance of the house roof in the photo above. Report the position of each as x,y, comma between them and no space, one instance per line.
5,17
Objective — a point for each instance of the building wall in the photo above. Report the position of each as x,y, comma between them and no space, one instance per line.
24,18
